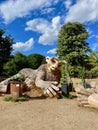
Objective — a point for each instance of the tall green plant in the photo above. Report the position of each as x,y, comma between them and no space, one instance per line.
82,75
65,73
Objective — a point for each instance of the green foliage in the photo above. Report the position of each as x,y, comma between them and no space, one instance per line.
8,98
35,60
93,62
72,44
22,98
5,49
67,96
20,61
3,78
63,74
17,63
82,75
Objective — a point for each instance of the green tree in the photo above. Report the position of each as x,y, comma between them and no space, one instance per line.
20,61
15,64
93,61
5,49
72,45
35,60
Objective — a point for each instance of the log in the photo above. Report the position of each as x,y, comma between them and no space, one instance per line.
93,100
87,97
91,90
83,104
84,92
82,99
84,96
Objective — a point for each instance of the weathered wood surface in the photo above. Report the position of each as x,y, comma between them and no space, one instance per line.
87,96
29,75
4,85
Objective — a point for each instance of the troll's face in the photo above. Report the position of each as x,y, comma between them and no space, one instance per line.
53,63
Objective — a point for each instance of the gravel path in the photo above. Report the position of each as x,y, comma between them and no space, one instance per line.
47,114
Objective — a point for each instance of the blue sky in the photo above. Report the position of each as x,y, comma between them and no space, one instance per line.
34,25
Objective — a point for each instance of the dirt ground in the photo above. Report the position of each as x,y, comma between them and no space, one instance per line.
47,114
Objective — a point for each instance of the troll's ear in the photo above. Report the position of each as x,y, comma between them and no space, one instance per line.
47,59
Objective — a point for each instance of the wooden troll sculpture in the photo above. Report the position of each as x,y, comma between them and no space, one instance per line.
47,77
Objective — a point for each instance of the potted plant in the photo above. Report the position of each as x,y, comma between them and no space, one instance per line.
64,83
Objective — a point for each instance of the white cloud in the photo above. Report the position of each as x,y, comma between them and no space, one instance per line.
92,34
89,31
83,11
47,10
94,46
52,51
37,24
48,30
12,9
68,3
23,46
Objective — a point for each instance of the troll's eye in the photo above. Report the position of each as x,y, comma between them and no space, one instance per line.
53,61
59,64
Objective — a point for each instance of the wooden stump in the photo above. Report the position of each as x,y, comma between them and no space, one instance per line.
16,89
